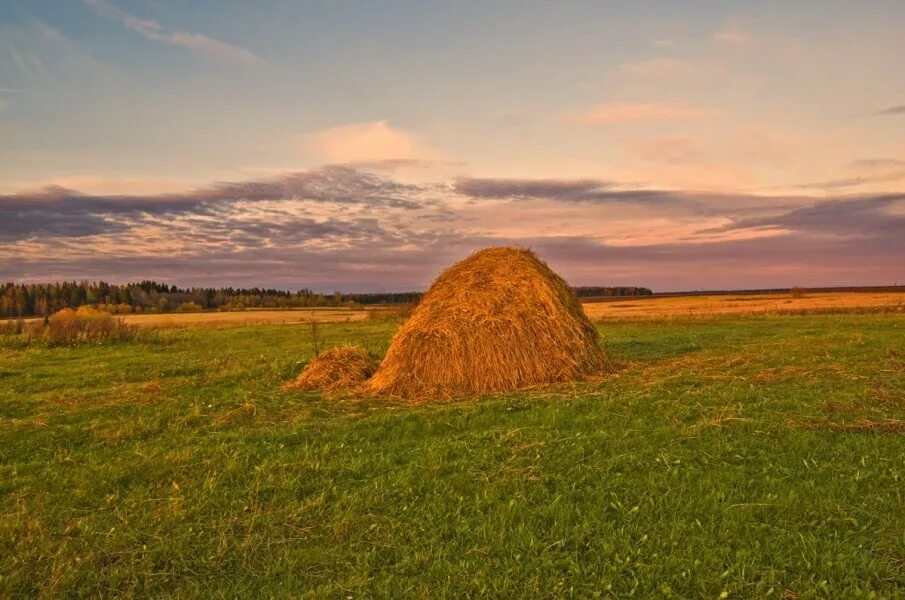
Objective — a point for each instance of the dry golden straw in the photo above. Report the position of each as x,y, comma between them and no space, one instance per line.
499,320
337,369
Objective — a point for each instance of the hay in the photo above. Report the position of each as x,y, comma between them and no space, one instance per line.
338,369
498,321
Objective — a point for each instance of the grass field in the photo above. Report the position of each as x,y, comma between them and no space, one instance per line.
734,456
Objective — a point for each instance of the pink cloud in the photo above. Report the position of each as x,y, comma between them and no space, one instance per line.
366,142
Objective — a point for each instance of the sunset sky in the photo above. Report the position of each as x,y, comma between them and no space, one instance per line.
365,145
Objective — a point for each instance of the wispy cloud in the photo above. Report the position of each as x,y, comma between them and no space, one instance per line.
343,227
627,112
57,211
154,31
878,163
670,150
661,67
892,110
557,190
734,35
864,217
832,184
35,57
878,176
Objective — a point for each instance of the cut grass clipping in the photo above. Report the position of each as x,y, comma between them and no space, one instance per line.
497,321
336,370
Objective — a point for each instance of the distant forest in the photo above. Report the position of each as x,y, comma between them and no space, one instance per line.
41,299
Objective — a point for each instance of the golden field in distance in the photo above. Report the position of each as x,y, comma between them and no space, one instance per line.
245,317
657,307
634,307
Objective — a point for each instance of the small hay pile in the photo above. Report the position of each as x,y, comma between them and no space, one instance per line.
497,321
337,369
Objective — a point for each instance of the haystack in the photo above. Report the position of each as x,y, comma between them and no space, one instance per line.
337,369
499,320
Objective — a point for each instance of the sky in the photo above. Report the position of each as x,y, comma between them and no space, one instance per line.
365,146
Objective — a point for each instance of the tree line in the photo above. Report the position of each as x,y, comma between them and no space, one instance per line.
627,290
43,299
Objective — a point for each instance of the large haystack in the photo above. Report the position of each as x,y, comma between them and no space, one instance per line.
499,320
337,369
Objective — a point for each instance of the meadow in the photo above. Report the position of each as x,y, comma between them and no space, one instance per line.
739,456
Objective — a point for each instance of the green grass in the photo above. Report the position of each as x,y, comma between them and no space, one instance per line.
747,457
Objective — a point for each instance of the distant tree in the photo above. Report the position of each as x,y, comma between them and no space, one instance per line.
189,307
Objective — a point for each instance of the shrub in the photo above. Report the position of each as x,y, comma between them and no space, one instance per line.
798,292
86,325
12,327
393,312
189,307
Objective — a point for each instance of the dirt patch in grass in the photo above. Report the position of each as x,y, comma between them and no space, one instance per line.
110,432
783,373
877,413
895,426
725,416
243,413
